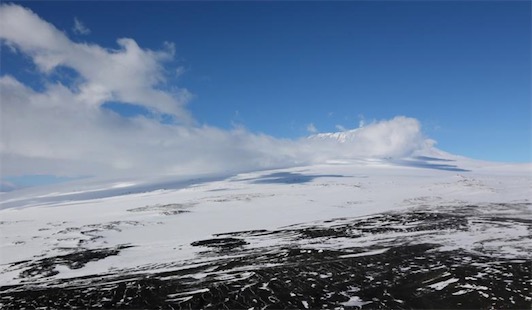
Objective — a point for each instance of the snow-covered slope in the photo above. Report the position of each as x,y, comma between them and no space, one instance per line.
152,227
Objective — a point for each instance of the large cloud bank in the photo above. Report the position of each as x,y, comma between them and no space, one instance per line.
63,129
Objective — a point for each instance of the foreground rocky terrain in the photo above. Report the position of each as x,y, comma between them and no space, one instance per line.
421,257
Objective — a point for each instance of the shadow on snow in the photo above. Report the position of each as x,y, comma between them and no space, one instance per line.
289,178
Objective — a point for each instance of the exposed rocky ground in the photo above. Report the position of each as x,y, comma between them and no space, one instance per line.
418,258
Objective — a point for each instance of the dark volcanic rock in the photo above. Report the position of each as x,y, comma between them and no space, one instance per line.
397,271
226,243
404,277
46,267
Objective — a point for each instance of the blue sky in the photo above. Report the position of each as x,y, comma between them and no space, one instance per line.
463,69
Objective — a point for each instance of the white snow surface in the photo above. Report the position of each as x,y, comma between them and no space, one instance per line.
161,218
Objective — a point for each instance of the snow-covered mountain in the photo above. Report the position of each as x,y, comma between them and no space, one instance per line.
395,139
340,136
337,234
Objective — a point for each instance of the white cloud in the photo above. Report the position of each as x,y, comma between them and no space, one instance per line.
127,74
51,133
80,28
64,130
311,128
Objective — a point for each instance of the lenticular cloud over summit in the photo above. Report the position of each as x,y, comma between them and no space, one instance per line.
63,127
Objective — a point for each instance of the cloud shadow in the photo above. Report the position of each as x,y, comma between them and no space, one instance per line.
425,162
289,178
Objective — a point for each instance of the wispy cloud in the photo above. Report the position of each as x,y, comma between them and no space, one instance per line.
340,128
311,128
65,129
80,28
179,71
361,120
